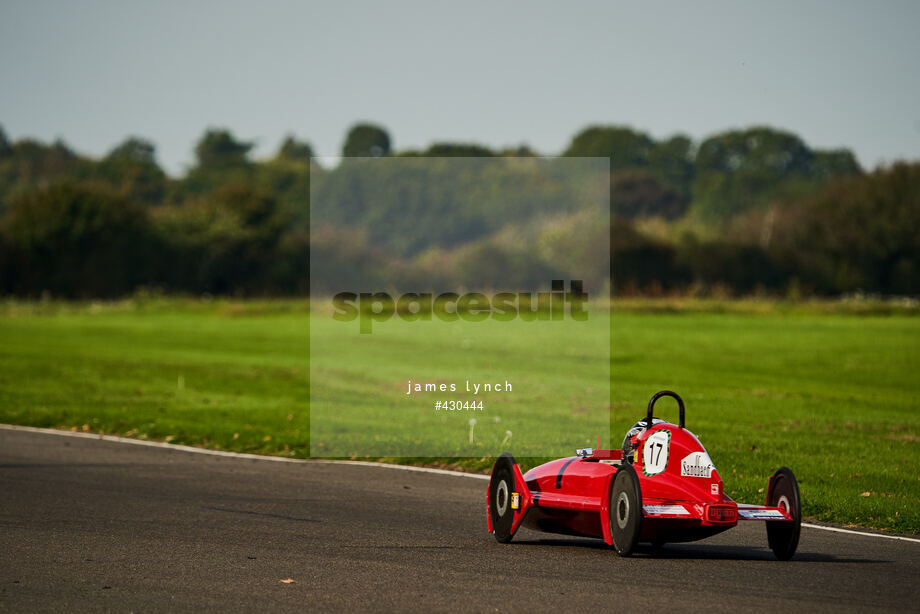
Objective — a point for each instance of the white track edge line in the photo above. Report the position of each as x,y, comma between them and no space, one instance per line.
282,459
227,454
851,532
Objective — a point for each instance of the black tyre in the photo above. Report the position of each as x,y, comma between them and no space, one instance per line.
501,485
625,510
783,536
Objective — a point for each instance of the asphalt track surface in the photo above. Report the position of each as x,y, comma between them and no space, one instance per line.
92,525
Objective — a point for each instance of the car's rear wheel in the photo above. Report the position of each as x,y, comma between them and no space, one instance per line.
782,535
501,486
625,510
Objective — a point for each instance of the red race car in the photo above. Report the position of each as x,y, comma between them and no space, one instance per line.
661,487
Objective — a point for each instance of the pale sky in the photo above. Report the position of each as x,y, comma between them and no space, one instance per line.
498,73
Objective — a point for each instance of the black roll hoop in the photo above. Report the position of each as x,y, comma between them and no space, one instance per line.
665,393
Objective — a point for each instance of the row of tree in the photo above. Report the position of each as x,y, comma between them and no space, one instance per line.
856,234
743,210
724,175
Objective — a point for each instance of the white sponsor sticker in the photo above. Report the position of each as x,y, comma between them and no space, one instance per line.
674,510
714,488
696,465
655,452
761,514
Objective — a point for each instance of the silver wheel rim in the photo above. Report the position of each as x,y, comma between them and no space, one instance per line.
501,498
783,504
622,510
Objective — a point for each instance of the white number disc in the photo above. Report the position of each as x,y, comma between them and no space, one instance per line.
655,452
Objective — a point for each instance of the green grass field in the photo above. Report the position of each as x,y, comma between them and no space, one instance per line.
829,390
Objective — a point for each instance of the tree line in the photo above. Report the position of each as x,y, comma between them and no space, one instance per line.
743,211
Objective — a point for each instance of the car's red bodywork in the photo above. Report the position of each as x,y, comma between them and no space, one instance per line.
682,494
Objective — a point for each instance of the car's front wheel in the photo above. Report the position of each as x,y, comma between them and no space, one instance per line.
625,510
